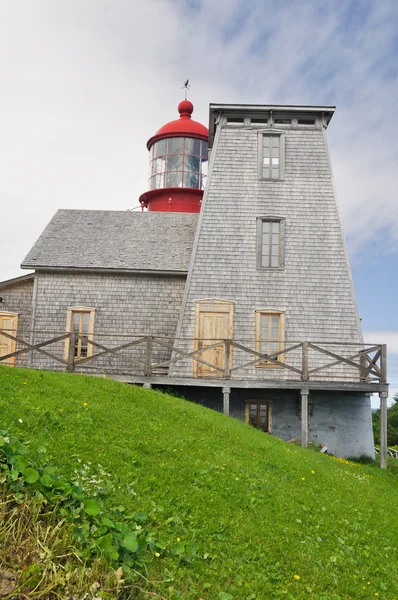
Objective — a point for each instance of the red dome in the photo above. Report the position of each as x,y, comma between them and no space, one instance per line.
182,127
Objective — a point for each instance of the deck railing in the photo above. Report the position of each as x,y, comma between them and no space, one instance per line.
155,355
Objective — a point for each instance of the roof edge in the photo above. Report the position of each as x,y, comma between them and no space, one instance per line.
16,280
279,107
101,270
216,110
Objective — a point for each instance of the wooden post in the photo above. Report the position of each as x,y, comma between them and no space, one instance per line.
148,356
304,358
227,358
70,367
147,386
226,392
362,362
304,416
383,429
383,364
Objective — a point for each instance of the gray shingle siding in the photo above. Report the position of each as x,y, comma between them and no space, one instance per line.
17,298
125,304
314,288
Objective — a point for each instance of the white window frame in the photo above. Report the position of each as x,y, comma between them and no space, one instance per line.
269,133
69,328
259,341
281,262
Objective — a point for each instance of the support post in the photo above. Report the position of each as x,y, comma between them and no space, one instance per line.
383,364
227,358
226,392
362,362
147,386
304,366
70,367
383,429
148,356
304,416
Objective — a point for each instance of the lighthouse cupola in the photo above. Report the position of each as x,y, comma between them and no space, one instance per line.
177,164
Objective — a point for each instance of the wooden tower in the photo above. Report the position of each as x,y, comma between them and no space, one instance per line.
269,270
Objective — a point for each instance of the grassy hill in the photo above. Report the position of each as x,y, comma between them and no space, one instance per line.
236,514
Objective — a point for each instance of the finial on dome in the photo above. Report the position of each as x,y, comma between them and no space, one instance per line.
185,108
186,87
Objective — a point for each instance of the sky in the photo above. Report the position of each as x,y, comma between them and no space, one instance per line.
85,83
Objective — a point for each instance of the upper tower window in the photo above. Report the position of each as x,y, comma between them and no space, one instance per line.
178,162
271,155
270,242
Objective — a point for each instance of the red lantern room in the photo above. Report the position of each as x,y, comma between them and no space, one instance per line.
178,164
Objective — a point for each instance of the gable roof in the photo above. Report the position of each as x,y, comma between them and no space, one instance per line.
115,240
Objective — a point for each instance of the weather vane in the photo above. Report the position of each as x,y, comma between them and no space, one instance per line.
186,87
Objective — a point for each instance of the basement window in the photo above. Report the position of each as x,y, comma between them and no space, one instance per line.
258,414
270,242
270,336
271,155
80,320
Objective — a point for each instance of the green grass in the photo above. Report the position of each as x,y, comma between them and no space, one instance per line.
237,514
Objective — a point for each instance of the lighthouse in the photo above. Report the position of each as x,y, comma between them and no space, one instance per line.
177,164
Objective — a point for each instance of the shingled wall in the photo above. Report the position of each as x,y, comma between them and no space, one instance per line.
17,298
314,287
125,304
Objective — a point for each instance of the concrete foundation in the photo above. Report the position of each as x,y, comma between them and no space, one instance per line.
342,421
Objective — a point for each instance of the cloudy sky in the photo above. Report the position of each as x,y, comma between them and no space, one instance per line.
84,84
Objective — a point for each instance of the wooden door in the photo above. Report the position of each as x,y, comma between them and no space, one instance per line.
214,322
8,321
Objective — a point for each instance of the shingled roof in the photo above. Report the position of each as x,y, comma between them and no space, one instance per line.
115,240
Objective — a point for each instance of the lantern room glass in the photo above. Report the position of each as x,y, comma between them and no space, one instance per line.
178,162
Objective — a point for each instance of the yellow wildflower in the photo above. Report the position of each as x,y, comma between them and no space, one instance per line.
157,554
303,479
84,403
178,540
296,577
313,472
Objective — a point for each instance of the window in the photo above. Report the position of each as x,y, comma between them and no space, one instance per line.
270,336
235,121
282,121
270,242
271,155
178,162
9,323
307,122
80,320
258,414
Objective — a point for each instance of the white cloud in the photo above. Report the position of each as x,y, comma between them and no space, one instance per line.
383,337
85,83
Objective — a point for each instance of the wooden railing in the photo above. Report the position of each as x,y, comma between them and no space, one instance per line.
153,355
